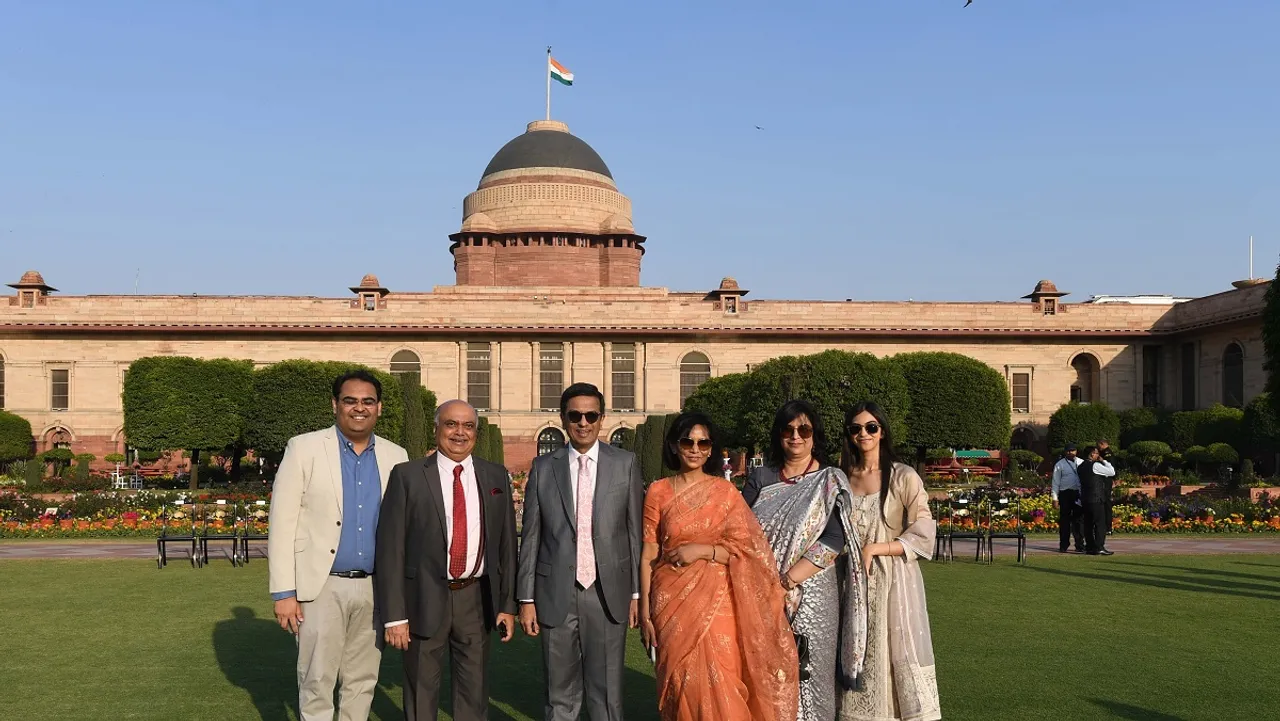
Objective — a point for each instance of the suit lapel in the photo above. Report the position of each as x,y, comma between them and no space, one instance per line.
333,455
561,470
604,467
384,463
431,474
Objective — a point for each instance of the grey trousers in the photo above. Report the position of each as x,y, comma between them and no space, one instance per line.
463,633
338,644
585,656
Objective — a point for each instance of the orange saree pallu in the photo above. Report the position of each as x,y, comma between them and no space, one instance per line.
725,649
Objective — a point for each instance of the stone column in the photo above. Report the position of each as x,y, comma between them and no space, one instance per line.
642,377
606,385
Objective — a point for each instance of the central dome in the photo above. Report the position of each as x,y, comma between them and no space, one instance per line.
547,144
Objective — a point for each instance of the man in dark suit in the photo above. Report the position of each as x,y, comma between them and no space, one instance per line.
579,581
445,567
1095,487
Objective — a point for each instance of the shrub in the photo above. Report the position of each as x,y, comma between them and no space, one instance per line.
80,474
1140,424
1182,430
938,455
1150,454
114,458
1029,460
955,401
1260,429
1219,424
15,437
33,474
1221,453
59,458
1082,424
721,399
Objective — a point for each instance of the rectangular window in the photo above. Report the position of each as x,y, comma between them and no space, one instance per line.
550,375
1021,392
478,375
60,389
624,377
1151,376
28,299
1050,306
370,301
1189,366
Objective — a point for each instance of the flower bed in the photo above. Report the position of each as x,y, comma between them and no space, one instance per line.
1139,515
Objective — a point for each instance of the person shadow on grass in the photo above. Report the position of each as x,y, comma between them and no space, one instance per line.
255,655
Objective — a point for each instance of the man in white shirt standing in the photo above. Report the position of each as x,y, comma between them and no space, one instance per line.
1066,495
446,562
1095,491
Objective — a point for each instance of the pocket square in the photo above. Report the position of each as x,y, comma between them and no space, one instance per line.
495,492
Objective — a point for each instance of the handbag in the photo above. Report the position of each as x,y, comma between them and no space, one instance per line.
802,651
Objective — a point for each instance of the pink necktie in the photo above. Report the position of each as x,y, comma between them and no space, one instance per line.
586,547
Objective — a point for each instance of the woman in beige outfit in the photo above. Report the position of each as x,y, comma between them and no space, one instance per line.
894,530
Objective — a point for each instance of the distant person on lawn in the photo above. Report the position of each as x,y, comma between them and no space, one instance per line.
1095,484
324,517
1066,495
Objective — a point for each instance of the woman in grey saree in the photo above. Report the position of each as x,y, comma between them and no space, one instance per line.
804,507
892,529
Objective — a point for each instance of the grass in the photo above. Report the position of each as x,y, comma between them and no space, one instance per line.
1166,638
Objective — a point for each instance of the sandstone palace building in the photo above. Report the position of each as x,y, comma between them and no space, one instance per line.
548,293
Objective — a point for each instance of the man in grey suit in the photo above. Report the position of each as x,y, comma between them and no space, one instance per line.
446,553
578,582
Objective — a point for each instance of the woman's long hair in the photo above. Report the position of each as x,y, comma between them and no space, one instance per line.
851,454
790,411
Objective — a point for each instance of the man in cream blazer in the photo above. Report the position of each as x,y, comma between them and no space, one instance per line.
320,547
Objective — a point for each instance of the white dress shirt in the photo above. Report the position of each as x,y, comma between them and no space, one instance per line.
472,494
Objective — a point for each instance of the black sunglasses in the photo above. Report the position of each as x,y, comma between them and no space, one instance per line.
576,416
703,444
872,428
805,431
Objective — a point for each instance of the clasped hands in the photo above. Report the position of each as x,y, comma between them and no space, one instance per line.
688,553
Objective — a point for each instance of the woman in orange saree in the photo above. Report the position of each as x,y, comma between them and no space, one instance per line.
711,602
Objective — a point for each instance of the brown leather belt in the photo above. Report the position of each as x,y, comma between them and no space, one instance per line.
458,585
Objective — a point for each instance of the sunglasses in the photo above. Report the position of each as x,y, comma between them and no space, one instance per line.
871,428
805,431
577,416
702,444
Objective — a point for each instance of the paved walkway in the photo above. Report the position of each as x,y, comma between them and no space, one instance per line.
1036,545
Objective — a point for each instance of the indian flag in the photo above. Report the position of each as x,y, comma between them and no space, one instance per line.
560,72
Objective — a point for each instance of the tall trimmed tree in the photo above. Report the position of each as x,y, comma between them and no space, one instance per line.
1271,342
721,399
1082,424
414,438
956,402
16,442
293,397
174,402
833,381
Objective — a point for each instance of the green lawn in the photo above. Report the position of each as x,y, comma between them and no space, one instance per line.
1142,637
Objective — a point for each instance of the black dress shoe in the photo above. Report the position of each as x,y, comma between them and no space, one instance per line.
1105,552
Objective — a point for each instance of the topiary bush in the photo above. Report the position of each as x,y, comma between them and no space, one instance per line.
955,401
1220,424
16,442
1028,460
1141,424
1260,430
1082,424
1150,454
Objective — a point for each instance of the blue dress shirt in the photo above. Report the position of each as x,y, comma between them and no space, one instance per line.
361,500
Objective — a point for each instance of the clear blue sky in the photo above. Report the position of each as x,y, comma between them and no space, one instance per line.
909,149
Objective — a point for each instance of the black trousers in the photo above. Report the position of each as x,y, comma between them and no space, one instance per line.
1096,522
1070,520
464,635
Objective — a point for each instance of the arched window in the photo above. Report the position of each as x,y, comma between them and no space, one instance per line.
695,369
1085,387
406,361
550,440
1233,376
618,437
58,438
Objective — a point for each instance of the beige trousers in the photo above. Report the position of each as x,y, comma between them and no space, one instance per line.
338,643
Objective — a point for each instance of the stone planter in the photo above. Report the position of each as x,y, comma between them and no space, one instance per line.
1256,494
1177,489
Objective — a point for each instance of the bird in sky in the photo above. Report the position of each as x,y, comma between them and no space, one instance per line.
968,3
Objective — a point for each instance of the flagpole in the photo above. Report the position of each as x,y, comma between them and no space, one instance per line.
548,82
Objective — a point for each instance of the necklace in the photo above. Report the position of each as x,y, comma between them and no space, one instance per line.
782,473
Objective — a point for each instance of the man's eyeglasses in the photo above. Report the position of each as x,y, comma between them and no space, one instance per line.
577,416
871,428
805,431
349,402
468,426
702,444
